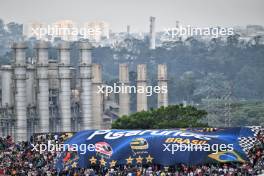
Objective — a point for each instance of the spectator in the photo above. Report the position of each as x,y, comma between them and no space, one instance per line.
19,159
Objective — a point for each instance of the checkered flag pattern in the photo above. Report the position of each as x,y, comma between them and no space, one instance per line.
248,142
256,129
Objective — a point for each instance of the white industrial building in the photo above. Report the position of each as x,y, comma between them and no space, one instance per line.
42,96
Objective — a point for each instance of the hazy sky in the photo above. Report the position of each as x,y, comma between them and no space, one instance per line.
136,13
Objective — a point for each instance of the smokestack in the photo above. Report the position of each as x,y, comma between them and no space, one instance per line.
97,97
177,24
43,86
6,75
124,105
65,89
20,95
54,86
86,86
162,83
152,34
30,82
128,29
7,88
142,101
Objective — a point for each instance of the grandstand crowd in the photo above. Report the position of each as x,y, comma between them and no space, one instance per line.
19,159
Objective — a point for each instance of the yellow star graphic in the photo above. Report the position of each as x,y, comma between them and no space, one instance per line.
129,160
102,162
74,165
139,159
93,160
113,163
149,159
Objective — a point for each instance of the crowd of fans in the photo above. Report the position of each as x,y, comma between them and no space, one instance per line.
20,159
179,170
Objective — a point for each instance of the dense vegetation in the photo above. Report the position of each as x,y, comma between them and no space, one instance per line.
174,116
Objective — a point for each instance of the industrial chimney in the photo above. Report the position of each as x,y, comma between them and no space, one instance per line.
162,83
128,29
43,86
152,34
7,88
142,103
124,105
20,94
65,87
31,92
86,85
6,74
97,97
54,89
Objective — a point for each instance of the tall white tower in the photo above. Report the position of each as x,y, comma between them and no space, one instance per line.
43,86
31,91
162,83
7,86
86,85
97,97
124,101
128,29
6,74
20,94
65,86
142,101
152,33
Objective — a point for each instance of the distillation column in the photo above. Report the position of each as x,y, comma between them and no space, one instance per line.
97,97
43,86
163,85
86,86
142,101
152,34
124,101
65,87
20,94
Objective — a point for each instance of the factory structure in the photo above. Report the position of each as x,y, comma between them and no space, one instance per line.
43,95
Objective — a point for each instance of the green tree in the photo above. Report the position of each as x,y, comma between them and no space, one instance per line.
248,113
173,116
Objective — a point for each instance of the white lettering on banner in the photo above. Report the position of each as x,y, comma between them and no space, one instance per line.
108,134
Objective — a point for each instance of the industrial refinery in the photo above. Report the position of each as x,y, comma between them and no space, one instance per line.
42,95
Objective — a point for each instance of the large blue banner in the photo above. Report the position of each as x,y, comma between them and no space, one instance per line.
164,147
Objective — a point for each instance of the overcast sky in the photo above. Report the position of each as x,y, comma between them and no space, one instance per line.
136,13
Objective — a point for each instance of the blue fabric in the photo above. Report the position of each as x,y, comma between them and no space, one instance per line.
136,147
